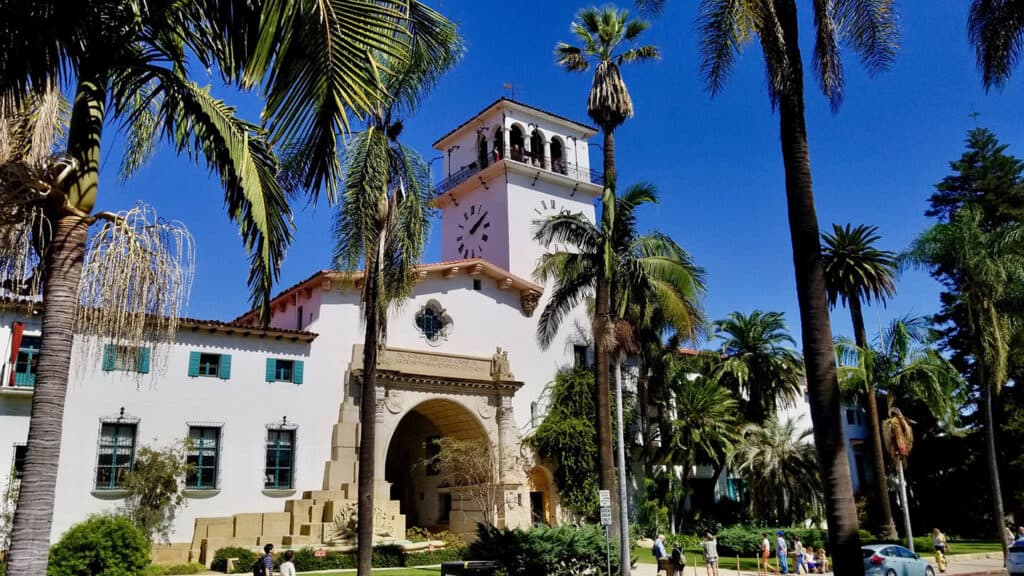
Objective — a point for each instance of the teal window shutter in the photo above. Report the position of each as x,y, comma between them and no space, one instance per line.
271,369
297,371
225,366
109,357
142,360
193,364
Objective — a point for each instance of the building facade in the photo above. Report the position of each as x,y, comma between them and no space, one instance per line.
272,414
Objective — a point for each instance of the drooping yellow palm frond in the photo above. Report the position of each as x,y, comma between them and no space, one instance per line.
899,435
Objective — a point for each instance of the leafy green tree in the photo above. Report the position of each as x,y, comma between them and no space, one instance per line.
869,29
778,465
983,268
759,363
984,176
608,39
154,490
857,272
384,216
567,438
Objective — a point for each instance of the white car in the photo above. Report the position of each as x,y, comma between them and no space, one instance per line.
1015,561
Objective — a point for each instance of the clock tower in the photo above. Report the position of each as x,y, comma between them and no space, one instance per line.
506,169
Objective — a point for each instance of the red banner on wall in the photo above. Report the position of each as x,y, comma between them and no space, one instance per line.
18,330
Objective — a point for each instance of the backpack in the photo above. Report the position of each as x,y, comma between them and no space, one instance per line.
257,567
654,549
677,557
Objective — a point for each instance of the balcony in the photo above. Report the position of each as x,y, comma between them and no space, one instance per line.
568,170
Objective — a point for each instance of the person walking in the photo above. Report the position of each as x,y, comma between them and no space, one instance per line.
766,548
939,541
781,552
678,560
709,547
798,551
265,565
660,554
288,567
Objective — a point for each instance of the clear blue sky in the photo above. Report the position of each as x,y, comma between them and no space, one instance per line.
716,162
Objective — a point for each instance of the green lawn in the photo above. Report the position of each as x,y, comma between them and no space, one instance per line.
388,572
973,547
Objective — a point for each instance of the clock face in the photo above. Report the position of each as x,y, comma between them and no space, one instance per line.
544,210
473,232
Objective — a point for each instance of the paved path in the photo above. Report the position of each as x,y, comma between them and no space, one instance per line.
963,565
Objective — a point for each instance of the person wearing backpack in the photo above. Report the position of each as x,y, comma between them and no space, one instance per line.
660,554
678,560
264,566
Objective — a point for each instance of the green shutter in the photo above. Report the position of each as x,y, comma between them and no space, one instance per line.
225,366
297,371
109,357
271,369
193,364
142,360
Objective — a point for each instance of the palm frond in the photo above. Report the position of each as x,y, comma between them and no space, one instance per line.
826,59
996,31
726,27
871,29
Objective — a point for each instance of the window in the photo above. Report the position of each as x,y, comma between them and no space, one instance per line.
432,321
280,459
444,507
849,416
203,457
298,318
116,454
477,284
19,461
126,358
209,365
579,356
26,365
281,370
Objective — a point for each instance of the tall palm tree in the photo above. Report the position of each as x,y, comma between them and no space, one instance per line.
983,267
995,29
383,220
899,440
870,30
608,40
781,472
760,363
856,272
126,66
650,266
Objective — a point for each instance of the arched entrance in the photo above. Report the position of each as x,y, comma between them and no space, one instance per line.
425,501
542,505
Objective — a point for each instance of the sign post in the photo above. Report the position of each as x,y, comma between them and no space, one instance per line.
604,499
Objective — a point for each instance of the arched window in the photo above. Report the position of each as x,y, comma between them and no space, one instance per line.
537,148
499,143
516,142
481,155
557,156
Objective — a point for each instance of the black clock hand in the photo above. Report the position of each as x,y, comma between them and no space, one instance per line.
478,223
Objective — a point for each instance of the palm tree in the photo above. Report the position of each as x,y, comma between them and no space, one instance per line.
760,363
870,30
995,29
602,33
983,267
651,268
384,218
857,272
126,65
704,422
899,439
781,472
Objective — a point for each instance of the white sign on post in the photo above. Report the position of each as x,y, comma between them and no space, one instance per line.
604,498
606,516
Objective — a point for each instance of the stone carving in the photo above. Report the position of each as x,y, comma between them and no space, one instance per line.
504,415
500,369
383,521
511,500
528,301
484,409
346,520
393,401
380,406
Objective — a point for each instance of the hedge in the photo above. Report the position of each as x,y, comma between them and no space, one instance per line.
557,551
746,540
384,556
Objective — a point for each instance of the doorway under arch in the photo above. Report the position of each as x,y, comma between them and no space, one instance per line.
424,500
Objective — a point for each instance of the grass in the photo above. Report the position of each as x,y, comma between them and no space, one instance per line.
386,572
973,547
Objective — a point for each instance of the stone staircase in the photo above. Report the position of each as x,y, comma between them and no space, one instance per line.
320,518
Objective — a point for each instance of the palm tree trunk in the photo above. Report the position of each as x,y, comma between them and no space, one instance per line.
33,517
906,504
993,467
368,420
606,467
620,449
819,357
887,528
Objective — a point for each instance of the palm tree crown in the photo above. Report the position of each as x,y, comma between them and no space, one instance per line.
854,268
996,29
760,363
602,33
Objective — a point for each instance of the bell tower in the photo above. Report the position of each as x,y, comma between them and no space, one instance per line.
506,169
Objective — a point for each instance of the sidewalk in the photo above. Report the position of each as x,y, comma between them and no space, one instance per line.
962,565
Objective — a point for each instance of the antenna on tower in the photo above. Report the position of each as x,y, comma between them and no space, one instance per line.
511,89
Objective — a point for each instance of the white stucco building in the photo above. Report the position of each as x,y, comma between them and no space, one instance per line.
273,412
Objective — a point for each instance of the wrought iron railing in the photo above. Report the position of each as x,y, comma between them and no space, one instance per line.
558,167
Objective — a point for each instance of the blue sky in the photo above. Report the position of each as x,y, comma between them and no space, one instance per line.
716,162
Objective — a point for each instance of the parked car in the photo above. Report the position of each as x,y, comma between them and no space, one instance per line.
893,560
1015,562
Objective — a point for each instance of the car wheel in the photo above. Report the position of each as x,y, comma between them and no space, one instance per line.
929,571
890,572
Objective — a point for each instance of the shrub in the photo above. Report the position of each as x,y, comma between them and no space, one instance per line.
557,551
100,546
435,557
246,558
746,540
176,570
387,556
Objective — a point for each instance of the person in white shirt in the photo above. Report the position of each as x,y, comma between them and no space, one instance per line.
288,567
